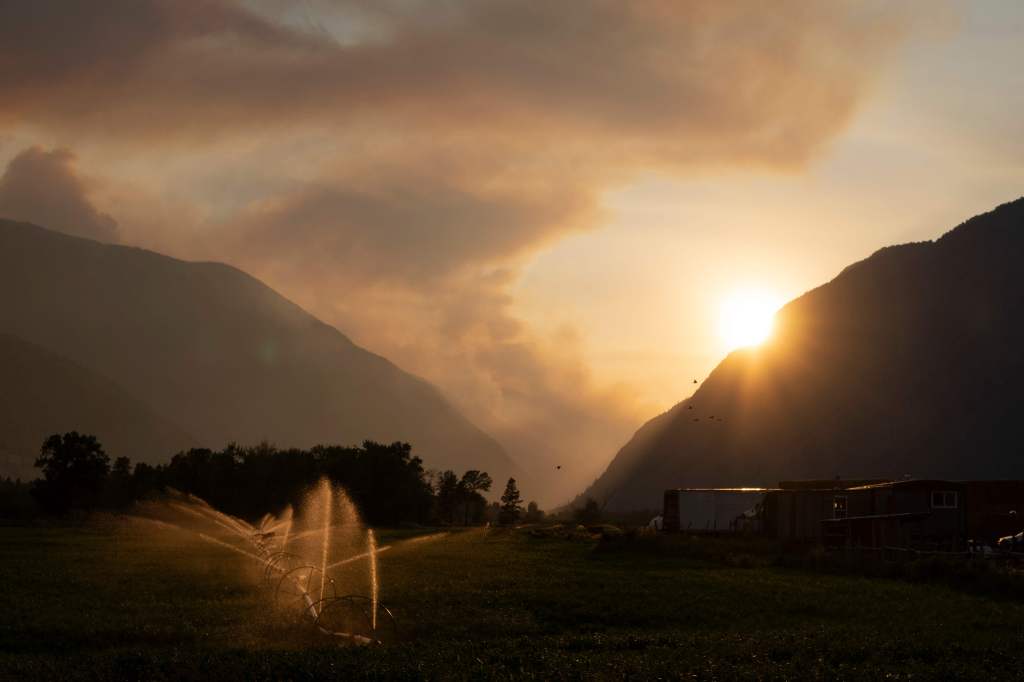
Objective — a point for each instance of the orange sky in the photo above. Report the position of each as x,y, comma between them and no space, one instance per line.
539,207
934,143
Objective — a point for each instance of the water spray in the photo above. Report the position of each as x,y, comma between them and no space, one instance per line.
301,585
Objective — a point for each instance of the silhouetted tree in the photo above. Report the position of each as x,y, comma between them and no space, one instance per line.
145,479
16,500
74,468
473,504
447,494
460,500
590,512
119,490
387,483
493,512
511,503
533,513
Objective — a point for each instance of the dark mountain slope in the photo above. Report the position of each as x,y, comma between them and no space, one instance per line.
220,354
43,393
909,362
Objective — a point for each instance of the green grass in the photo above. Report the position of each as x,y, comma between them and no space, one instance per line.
118,603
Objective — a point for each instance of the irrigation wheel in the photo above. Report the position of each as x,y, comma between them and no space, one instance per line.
300,588
351,616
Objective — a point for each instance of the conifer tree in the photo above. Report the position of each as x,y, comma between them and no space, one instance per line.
511,503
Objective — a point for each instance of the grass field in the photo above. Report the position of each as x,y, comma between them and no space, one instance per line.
116,603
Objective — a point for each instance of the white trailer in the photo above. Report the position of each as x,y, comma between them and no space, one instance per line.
721,510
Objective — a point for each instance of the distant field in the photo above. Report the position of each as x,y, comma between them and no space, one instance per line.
98,603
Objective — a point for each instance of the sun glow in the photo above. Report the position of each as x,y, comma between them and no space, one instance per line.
746,318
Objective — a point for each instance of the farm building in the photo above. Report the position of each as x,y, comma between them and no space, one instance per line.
993,509
915,513
721,510
796,509
928,514
793,510
931,514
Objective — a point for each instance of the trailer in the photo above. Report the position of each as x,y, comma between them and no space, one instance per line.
714,510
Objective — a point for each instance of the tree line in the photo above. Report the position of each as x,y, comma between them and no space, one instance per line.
387,482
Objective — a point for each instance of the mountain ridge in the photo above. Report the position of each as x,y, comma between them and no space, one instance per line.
904,362
220,353
45,393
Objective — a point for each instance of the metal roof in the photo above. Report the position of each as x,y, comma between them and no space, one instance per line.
913,483
721,490
905,516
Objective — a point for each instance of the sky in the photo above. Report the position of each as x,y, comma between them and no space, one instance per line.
540,207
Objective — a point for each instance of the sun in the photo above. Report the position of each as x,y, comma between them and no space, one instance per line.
746,318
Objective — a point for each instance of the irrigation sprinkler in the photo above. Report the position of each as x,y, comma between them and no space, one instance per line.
303,590
296,566
355,613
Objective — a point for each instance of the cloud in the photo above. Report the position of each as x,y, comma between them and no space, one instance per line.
451,133
392,165
42,187
532,391
660,81
408,222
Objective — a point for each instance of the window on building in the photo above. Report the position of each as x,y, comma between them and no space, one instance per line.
839,507
944,499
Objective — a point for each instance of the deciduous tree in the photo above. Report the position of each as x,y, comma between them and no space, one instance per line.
74,468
